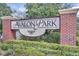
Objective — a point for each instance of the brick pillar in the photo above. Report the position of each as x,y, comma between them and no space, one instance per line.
68,26
8,34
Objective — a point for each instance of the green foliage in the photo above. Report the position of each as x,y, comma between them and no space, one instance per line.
5,46
77,41
78,33
53,37
0,26
8,52
4,10
43,9
34,48
46,9
47,37
28,51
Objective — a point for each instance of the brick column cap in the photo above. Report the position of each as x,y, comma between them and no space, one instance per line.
10,17
70,10
6,17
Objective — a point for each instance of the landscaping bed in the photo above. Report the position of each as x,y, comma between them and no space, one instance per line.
35,48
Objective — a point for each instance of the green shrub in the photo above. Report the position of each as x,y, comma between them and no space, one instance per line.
70,54
5,46
35,44
78,33
34,48
19,52
0,28
28,52
51,52
77,43
51,38
8,52
1,52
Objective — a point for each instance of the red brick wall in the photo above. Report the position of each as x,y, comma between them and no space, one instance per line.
68,29
7,32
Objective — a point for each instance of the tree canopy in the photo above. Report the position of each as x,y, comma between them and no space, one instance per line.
45,9
4,10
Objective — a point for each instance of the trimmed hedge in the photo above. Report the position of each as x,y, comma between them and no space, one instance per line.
34,48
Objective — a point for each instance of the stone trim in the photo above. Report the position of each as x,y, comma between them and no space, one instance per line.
66,11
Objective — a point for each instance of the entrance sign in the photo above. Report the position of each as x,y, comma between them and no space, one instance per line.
46,23
35,27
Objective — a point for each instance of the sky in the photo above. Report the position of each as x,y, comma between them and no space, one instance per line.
17,6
